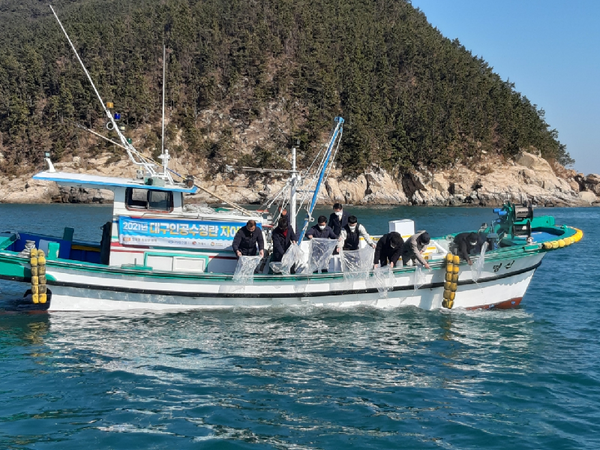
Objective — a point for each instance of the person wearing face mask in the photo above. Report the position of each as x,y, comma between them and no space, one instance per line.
283,236
463,244
413,248
338,219
350,235
246,239
321,230
388,250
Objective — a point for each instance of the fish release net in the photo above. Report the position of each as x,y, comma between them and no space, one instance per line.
292,257
418,277
477,267
357,264
246,266
320,253
383,280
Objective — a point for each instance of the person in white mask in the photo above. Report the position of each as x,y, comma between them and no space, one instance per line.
351,234
321,230
338,219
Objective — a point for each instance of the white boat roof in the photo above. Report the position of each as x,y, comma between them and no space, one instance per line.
83,180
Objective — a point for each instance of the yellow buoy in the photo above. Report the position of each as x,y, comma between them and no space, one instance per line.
561,243
454,278
33,261
450,304
447,293
447,285
43,298
449,267
41,258
35,280
452,296
33,252
35,289
555,244
35,298
448,276
456,259
449,257
454,287
455,269
547,245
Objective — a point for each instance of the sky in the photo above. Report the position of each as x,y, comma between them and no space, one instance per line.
550,50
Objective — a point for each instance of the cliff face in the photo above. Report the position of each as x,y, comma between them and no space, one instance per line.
487,182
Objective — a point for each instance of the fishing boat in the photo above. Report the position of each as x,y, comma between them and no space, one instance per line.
158,253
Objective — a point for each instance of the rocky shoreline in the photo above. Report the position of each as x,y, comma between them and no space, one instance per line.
488,182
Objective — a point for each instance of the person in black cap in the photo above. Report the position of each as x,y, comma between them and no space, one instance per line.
463,244
338,219
246,239
321,230
414,246
388,249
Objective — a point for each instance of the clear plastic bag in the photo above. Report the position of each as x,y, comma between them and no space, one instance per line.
320,253
477,267
383,277
418,277
357,263
244,272
292,257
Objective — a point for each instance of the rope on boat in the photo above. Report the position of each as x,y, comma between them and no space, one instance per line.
37,261
451,283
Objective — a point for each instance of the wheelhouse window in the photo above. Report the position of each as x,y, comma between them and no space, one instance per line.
148,200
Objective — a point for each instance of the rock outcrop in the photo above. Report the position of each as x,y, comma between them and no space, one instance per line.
487,182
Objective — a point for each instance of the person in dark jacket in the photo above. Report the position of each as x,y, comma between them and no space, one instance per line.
246,239
388,250
338,219
283,236
463,244
414,246
321,230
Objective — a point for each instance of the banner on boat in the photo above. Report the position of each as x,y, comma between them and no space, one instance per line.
177,233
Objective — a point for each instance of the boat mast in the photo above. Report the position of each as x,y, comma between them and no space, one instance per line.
294,182
334,138
131,151
164,154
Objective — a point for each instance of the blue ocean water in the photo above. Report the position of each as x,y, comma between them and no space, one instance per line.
311,378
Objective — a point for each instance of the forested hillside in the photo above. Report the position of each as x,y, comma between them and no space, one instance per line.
410,97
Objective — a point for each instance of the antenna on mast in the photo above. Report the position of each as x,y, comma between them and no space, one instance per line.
164,154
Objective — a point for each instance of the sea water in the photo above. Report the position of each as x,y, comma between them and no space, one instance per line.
311,378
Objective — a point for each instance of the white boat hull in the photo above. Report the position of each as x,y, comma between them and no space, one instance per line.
503,283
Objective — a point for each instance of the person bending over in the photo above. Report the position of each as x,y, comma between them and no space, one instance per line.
388,250
463,244
413,248
246,240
